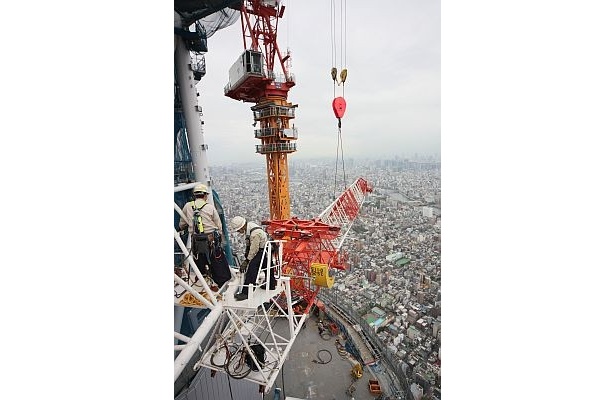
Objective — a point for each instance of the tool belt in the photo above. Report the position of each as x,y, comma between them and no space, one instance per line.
205,243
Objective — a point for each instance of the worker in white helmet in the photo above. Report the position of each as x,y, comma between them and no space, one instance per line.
207,239
256,238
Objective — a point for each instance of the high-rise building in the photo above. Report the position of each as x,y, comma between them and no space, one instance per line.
436,328
417,391
427,212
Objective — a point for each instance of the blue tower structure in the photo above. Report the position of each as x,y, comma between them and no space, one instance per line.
184,173
193,33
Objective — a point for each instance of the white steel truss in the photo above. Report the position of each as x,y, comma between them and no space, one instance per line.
343,211
265,318
272,325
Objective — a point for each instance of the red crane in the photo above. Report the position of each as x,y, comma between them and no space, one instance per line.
312,246
318,241
253,80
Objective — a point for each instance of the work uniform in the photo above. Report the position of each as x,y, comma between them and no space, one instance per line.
255,246
207,251
210,217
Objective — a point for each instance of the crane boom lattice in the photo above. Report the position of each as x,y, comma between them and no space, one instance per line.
318,240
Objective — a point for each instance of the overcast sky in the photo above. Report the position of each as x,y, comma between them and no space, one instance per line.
392,90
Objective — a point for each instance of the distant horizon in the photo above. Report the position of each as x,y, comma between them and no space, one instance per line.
393,106
422,157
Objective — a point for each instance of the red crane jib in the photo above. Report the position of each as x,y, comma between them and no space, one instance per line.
308,241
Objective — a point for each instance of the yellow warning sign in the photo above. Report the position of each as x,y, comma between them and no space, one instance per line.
320,274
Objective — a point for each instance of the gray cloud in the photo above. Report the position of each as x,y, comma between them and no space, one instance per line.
392,91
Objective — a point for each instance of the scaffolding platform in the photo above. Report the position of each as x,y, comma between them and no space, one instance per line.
263,323
256,295
274,327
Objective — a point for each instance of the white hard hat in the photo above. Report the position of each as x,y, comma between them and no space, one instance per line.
200,188
237,223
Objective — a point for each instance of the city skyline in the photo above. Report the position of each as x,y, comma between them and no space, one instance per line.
428,158
403,268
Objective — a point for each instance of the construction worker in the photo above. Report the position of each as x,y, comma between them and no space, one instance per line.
256,238
321,327
207,239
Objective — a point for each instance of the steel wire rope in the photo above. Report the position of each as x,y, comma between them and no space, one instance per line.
333,45
237,364
343,57
319,358
275,321
216,331
340,148
229,349
288,24
230,389
237,361
283,387
344,51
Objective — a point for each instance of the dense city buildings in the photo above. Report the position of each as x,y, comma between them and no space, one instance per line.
393,282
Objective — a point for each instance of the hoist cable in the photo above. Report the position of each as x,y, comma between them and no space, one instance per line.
345,48
333,47
340,148
288,23
283,388
345,33
229,386
342,151
341,36
342,48
337,150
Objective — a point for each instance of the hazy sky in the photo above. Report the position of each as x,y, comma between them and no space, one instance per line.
392,90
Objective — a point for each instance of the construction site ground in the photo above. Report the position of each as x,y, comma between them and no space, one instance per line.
304,379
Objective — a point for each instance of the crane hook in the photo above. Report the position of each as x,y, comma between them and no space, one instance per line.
339,107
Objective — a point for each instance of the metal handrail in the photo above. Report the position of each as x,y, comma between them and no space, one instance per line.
277,267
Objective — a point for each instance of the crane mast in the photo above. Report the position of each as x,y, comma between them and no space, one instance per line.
252,79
